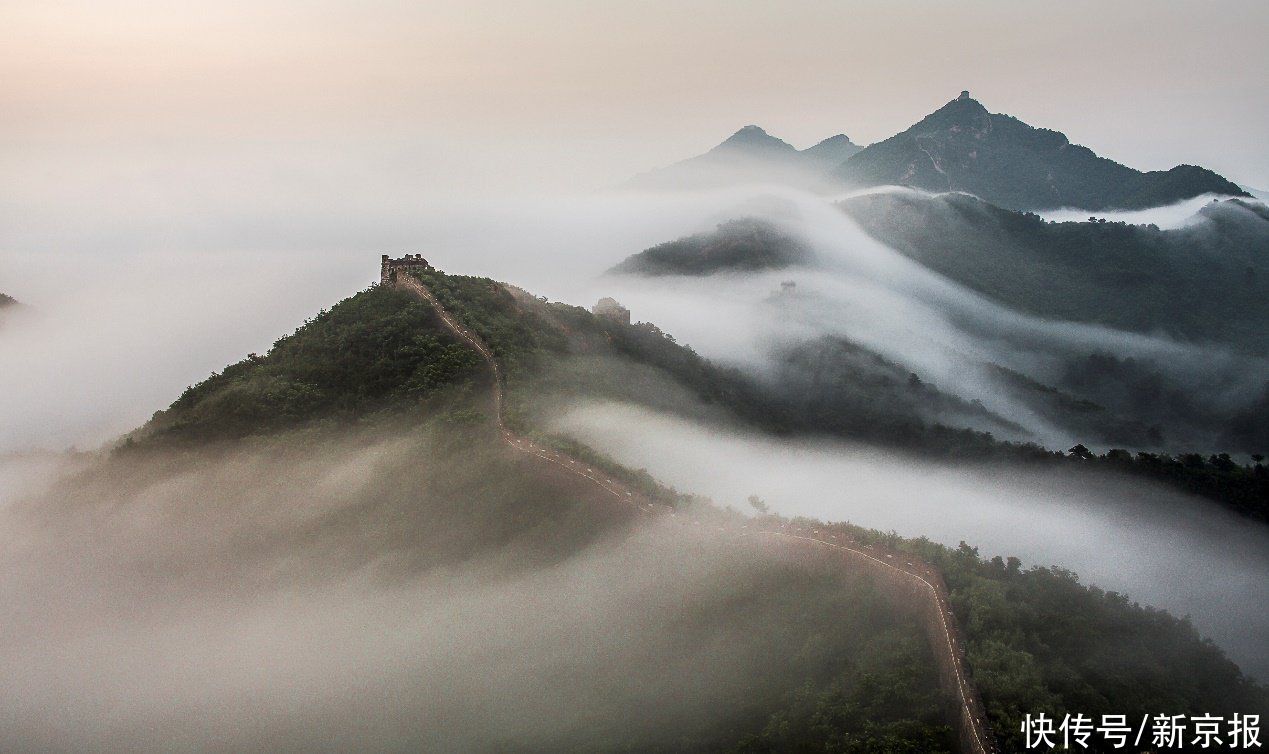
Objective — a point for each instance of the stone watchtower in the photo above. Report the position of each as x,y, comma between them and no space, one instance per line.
389,267
610,309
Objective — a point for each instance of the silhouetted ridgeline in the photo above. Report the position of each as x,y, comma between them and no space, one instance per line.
959,147
962,147
751,155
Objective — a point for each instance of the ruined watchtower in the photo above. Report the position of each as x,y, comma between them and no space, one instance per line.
610,309
389,267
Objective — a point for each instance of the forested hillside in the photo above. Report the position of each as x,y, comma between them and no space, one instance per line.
1205,282
742,245
382,349
371,351
1039,640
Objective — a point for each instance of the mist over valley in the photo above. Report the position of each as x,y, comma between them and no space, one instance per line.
394,377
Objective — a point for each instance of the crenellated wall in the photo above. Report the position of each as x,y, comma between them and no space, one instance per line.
388,267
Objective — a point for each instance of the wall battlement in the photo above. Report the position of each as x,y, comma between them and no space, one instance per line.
389,267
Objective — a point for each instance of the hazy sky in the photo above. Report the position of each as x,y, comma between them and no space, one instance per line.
144,104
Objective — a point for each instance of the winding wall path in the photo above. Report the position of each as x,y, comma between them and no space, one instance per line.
911,580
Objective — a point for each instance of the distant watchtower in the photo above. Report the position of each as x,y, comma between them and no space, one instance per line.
389,267
964,94
610,309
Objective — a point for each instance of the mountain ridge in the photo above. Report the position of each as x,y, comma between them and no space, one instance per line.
960,146
988,597
752,155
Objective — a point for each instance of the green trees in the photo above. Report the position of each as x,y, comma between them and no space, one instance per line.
1192,282
1243,488
367,352
745,244
1038,640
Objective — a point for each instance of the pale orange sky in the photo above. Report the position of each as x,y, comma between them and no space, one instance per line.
569,94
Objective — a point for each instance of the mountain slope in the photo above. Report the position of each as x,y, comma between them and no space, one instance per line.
1205,282
735,246
751,155
369,330
963,147
832,151
830,385
852,652
371,351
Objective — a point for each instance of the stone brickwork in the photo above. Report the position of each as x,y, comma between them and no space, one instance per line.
388,267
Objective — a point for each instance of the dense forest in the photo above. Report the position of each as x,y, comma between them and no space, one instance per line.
1206,282
370,351
742,245
1039,640
1203,286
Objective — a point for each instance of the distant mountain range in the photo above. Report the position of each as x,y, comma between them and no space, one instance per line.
959,147
751,155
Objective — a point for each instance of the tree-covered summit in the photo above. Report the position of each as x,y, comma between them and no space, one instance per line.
369,351
741,245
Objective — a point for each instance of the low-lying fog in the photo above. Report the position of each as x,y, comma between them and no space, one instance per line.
112,334
1168,217
344,594
1162,548
115,331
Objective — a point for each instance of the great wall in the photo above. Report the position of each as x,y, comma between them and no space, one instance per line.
910,584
